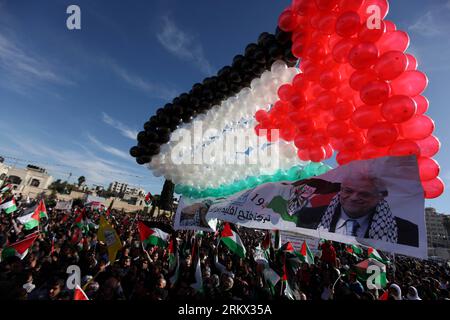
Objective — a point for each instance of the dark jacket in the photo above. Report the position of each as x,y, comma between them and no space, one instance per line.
309,218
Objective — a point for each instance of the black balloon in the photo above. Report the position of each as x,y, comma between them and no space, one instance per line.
282,36
250,50
135,152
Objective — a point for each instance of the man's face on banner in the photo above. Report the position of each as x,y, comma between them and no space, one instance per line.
359,196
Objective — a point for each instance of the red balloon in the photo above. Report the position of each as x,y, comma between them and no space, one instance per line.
371,35
391,65
343,110
404,148
311,70
261,115
429,146
320,137
366,9
433,188
316,52
361,77
344,157
349,5
390,26
299,46
348,24
398,109
326,100
382,134
412,62
288,21
326,5
326,23
303,154
375,92
317,153
370,151
302,7
410,83
305,126
303,142
288,132
330,79
393,41
285,92
422,104
352,142
363,55
428,168
337,129
365,117
300,82
342,49
345,92
417,128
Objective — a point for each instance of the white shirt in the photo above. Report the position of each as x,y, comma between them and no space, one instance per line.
341,227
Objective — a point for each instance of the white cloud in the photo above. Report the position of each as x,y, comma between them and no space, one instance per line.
22,69
154,89
426,25
111,150
183,45
124,130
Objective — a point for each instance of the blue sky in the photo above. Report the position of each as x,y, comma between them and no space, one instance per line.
72,101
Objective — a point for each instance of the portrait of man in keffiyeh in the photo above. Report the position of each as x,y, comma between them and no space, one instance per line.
358,209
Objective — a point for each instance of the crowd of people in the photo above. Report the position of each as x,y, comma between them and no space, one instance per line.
145,273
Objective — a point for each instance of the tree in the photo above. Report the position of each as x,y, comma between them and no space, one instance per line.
166,200
81,180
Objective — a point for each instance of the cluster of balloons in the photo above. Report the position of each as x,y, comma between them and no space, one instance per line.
292,174
233,117
359,93
230,80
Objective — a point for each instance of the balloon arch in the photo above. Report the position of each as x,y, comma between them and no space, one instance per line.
335,78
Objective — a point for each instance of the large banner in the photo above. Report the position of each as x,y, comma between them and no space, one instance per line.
377,202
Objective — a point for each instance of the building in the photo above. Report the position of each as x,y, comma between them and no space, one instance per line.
126,189
29,181
438,233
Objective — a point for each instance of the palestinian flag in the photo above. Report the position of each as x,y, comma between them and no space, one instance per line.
9,207
76,237
198,284
271,278
42,210
287,289
374,254
305,254
79,294
20,248
152,236
6,188
384,296
232,240
265,245
30,220
277,240
148,199
363,272
108,211
287,248
171,252
353,250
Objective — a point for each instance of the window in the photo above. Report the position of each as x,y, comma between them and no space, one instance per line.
35,183
15,180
